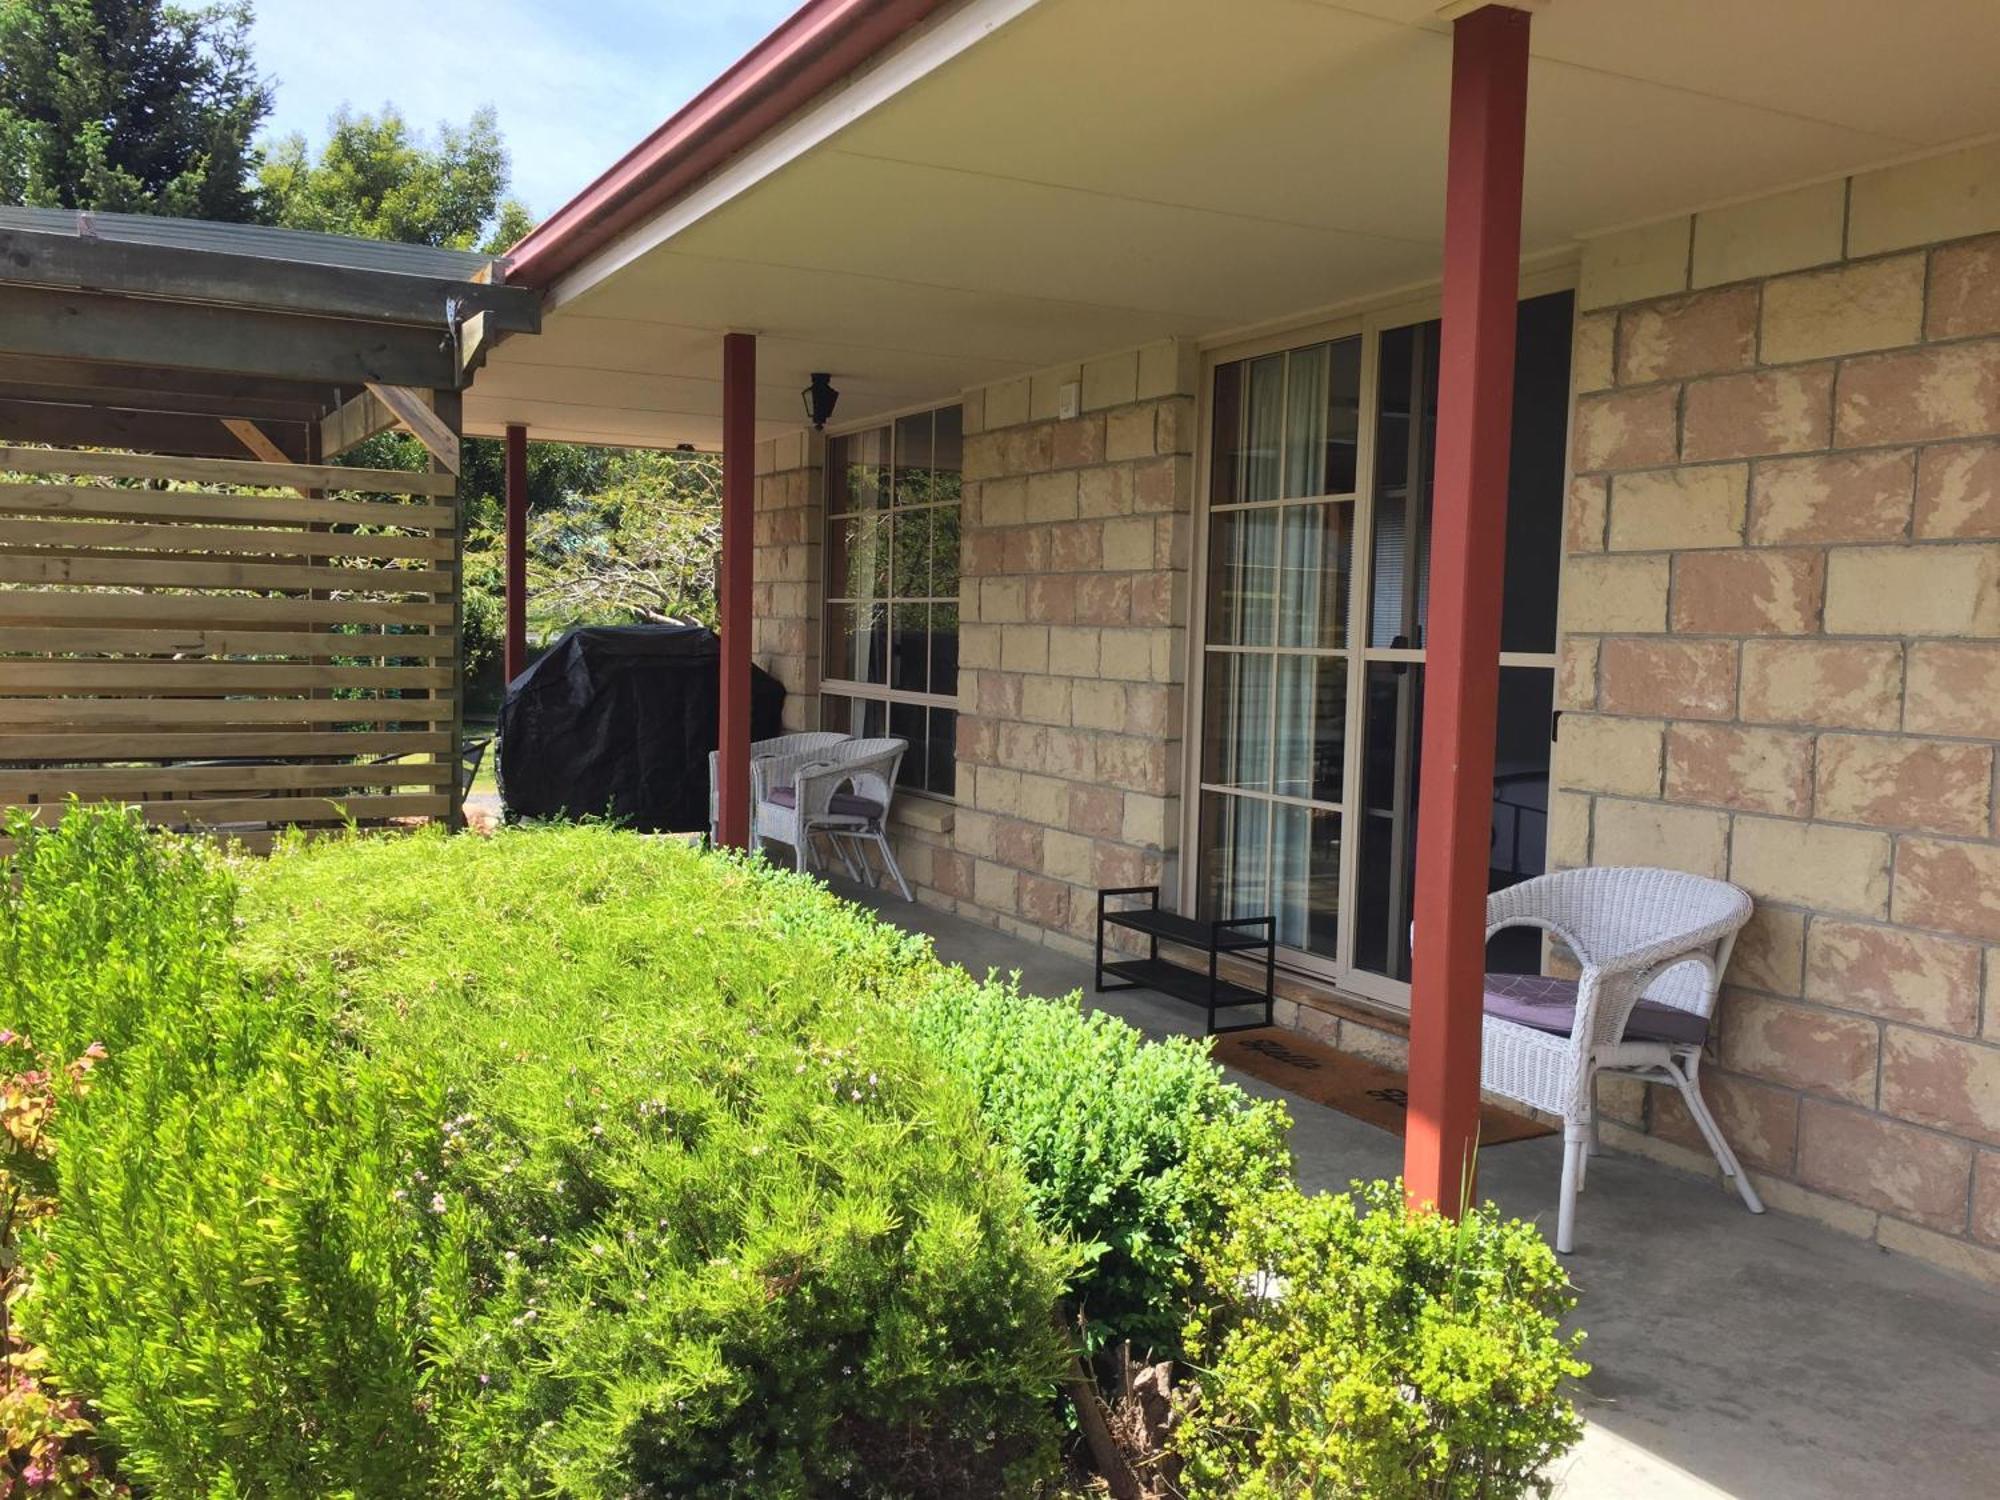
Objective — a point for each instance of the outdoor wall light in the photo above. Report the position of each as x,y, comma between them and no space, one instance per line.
820,398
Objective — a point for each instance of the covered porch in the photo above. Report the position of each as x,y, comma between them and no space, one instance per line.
1070,234
1758,1359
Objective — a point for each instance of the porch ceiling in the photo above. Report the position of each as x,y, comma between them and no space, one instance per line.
1062,178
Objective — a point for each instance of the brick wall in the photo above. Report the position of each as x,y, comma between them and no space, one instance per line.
1781,665
1073,649
784,598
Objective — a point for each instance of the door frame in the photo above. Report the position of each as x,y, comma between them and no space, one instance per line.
1370,323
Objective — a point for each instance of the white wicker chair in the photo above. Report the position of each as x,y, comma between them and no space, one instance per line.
779,759
842,792
1653,945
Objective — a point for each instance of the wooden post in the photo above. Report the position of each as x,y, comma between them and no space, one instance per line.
1482,267
515,657
450,407
739,441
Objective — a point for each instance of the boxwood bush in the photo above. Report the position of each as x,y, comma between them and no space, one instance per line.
1134,1150
1349,1347
565,1163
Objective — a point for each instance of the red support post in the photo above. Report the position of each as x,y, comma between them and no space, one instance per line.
1482,268
739,441
514,659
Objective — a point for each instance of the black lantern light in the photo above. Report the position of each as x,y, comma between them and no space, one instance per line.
820,398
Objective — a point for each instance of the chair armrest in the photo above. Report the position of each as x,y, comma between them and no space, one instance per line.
1542,923
873,776
814,785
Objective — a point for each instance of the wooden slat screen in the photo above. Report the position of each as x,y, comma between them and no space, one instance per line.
237,658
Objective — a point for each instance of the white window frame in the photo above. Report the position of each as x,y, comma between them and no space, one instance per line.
1339,971
840,687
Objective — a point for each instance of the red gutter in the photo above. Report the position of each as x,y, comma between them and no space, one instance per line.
821,43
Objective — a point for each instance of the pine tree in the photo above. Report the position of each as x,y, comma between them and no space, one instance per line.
133,106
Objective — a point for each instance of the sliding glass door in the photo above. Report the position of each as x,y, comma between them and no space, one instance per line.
1312,663
1282,502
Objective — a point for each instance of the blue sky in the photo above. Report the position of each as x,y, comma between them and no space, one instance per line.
576,84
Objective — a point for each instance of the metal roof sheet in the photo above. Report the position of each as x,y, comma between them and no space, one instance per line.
298,245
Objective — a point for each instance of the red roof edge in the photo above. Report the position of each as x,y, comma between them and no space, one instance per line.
820,43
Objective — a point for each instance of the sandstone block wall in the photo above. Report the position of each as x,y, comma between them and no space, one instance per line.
1781,665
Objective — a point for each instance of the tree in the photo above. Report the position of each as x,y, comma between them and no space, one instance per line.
614,536
131,106
640,546
377,178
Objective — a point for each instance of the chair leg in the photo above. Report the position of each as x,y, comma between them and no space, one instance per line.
1596,1138
881,840
1576,1136
1687,1078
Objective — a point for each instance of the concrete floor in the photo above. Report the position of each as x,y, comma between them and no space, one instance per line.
1763,1358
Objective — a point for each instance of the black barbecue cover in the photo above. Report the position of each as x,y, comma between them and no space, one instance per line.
618,720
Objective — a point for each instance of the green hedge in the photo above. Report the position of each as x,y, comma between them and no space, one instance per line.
572,1162
1134,1150
1347,1347
562,1163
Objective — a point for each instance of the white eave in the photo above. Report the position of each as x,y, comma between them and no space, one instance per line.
1024,183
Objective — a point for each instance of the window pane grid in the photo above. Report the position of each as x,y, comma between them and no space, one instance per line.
1283,501
892,597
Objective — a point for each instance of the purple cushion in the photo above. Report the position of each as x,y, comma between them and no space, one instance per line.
846,804
1550,1005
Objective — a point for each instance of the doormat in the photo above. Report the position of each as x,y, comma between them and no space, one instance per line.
1353,1085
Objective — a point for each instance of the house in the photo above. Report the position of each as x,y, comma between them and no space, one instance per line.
1160,510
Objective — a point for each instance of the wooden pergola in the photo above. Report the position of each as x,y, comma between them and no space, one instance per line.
200,611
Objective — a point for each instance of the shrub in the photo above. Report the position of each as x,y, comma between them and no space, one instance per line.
221,1279
1384,1354
104,927
1135,1150
45,1437
564,1163
707,1221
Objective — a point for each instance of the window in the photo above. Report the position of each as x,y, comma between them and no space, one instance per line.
1313,648
891,643
1274,719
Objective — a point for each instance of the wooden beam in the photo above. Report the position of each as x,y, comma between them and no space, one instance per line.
66,607
174,679
218,640
254,281
514,638
352,423
155,432
139,782
212,505
412,409
476,337
211,713
132,398
251,436
221,471
273,809
1482,270
107,384
45,321
213,572
733,577
179,537
57,745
